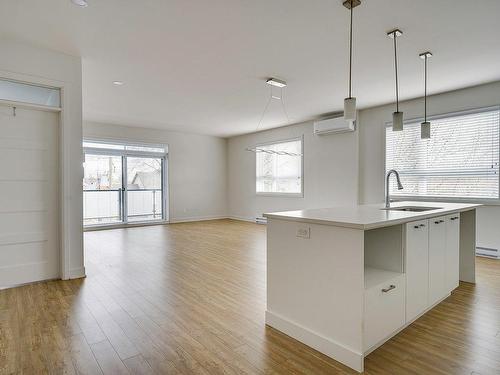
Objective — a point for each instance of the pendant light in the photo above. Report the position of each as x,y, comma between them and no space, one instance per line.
425,127
397,117
350,101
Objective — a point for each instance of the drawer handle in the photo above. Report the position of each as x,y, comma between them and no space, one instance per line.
439,222
454,218
419,226
389,289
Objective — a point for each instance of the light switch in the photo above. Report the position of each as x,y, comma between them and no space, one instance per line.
304,232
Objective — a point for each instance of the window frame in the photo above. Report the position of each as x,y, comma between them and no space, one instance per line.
485,201
164,156
280,194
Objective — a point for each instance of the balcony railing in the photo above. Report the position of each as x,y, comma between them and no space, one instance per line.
105,206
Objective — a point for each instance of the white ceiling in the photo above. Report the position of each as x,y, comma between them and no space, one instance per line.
199,65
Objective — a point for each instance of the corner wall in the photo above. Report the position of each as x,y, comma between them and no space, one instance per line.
197,171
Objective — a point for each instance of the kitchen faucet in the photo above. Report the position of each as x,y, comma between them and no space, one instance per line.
400,186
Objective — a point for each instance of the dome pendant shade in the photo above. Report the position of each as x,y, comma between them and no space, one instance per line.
350,109
425,130
397,121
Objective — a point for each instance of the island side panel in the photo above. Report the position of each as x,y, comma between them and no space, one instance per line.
468,246
315,287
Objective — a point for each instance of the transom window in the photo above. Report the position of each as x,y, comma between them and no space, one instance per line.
279,168
460,160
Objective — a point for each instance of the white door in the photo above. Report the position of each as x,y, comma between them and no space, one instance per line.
417,268
437,259
452,251
29,205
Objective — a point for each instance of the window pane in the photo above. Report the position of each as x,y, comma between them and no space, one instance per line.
101,189
25,93
277,172
144,189
461,159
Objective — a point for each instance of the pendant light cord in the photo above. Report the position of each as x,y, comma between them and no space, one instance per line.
425,89
396,69
350,54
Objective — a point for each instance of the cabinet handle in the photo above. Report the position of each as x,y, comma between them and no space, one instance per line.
422,225
454,218
391,287
439,222
419,226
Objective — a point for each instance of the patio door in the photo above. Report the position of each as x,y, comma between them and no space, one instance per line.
124,183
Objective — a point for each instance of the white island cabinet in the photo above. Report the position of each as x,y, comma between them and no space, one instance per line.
344,280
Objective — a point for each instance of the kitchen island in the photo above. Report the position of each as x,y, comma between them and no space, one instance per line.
344,280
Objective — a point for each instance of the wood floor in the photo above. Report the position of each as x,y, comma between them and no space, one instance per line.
190,299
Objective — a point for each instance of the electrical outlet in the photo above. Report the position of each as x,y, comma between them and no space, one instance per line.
304,232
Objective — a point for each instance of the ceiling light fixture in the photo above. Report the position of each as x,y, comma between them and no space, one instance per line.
118,83
397,117
425,127
350,101
80,3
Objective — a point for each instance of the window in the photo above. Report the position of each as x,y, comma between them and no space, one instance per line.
124,183
279,168
460,160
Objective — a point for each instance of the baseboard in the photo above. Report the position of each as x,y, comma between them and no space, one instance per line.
320,343
197,218
242,218
76,273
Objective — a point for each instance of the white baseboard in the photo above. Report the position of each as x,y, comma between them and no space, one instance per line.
322,344
242,218
197,218
76,273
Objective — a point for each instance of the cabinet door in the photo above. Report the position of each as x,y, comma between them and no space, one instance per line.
452,251
416,268
437,259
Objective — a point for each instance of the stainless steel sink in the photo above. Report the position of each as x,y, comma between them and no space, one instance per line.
411,208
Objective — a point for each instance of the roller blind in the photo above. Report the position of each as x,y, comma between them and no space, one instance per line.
276,173
460,160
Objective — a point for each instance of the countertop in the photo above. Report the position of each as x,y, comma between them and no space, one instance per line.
370,216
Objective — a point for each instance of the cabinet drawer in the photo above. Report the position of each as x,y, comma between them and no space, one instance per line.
384,310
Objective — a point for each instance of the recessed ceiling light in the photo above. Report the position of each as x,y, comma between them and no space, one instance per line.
80,3
118,83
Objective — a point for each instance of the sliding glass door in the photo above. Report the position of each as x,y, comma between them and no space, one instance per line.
102,189
124,183
144,188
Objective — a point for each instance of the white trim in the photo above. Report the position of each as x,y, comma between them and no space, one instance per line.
198,218
327,346
40,107
242,218
96,227
77,273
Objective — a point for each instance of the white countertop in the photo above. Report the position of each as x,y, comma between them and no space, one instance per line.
370,216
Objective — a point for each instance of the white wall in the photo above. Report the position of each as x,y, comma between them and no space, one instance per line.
372,147
30,64
197,168
330,172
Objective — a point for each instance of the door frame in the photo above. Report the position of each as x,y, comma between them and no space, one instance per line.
64,185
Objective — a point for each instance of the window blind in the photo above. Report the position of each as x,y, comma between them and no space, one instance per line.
460,160
279,173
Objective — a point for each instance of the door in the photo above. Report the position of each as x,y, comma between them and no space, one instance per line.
452,251
29,196
437,259
417,268
102,189
144,189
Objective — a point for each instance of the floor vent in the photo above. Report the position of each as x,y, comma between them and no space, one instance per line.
261,220
487,252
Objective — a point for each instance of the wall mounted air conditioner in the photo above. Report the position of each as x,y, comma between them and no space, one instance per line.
333,125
